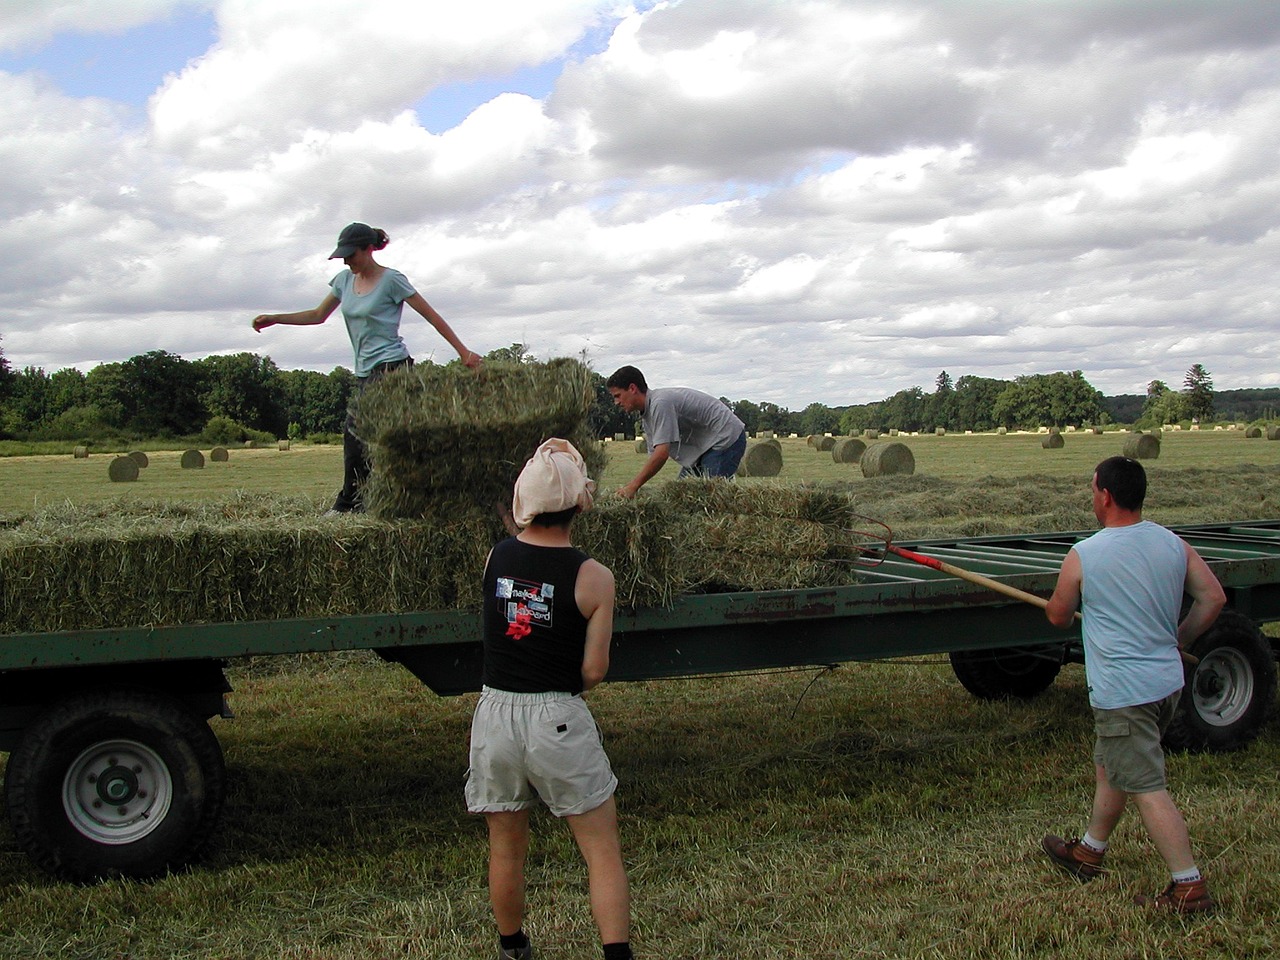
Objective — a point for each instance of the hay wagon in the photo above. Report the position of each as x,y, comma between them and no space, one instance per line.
114,771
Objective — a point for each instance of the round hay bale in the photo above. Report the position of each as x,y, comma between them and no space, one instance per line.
940,431
1273,433
871,434
812,440
641,445
219,455
1142,446
1252,433
848,450
282,444
762,460
138,457
192,460
122,469
80,453
1001,431
825,444
882,459
1097,431
1052,441
893,431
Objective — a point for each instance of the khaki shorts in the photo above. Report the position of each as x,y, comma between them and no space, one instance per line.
531,746
1128,744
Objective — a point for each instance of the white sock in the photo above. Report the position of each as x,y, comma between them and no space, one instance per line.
1187,876
1097,846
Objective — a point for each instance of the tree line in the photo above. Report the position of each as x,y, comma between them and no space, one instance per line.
229,398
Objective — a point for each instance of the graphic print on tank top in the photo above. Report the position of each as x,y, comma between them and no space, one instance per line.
526,604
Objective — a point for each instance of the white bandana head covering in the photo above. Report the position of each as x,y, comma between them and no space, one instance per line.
555,478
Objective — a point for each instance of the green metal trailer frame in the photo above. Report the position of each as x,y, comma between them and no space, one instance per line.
78,685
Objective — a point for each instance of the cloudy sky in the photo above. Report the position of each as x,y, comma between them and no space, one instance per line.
781,200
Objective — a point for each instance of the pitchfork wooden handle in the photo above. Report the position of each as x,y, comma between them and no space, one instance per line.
996,585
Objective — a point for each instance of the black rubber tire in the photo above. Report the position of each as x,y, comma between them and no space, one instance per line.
1008,673
1229,693
115,784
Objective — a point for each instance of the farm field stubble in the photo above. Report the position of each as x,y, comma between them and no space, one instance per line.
878,812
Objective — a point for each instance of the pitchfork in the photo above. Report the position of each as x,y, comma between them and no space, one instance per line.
874,556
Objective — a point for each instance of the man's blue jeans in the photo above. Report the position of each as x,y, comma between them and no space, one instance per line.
719,463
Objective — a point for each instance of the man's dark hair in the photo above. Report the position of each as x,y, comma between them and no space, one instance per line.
557,518
624,377
1125,480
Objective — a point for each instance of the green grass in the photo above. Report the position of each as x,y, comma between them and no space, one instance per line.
878,812
27,483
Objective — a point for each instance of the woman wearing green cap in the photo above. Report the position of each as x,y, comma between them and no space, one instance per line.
372,298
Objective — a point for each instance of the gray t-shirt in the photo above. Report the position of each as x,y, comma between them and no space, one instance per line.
690,421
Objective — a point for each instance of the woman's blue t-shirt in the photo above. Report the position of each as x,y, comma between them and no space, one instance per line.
373,318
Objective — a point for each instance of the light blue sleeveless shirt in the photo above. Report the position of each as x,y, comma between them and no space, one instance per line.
1133,580
373,318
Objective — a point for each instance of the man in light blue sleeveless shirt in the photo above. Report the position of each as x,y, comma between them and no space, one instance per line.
1131,576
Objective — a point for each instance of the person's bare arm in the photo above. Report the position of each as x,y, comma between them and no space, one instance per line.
1207,598
419,303
1062,606
657,459
594,593
302,318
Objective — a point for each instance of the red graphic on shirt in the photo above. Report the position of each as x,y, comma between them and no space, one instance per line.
519,628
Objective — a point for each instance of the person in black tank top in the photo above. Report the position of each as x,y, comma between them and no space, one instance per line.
548,622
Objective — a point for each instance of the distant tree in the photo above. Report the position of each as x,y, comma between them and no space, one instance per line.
1198,390
1053,399
6,375
606,418
818,418
244,388
26,408
314,401
1163,405
905,410
159,394
748,413
975,402
516,353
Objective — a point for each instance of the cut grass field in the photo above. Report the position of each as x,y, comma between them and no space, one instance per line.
29,483
876,810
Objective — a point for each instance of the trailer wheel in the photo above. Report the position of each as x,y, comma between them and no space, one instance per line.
1229,692
114,784
1008,673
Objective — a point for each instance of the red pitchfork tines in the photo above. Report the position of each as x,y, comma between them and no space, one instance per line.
872,546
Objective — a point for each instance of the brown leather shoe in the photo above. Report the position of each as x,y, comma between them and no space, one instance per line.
1074,857
1188,896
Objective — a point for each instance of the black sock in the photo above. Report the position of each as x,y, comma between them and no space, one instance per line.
618,951
513,941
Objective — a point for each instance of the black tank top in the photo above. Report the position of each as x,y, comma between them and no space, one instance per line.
534,633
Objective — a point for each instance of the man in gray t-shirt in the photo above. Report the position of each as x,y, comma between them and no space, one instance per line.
682,424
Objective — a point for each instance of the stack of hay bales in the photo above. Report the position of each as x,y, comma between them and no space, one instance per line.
447,445
440,437
255,557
